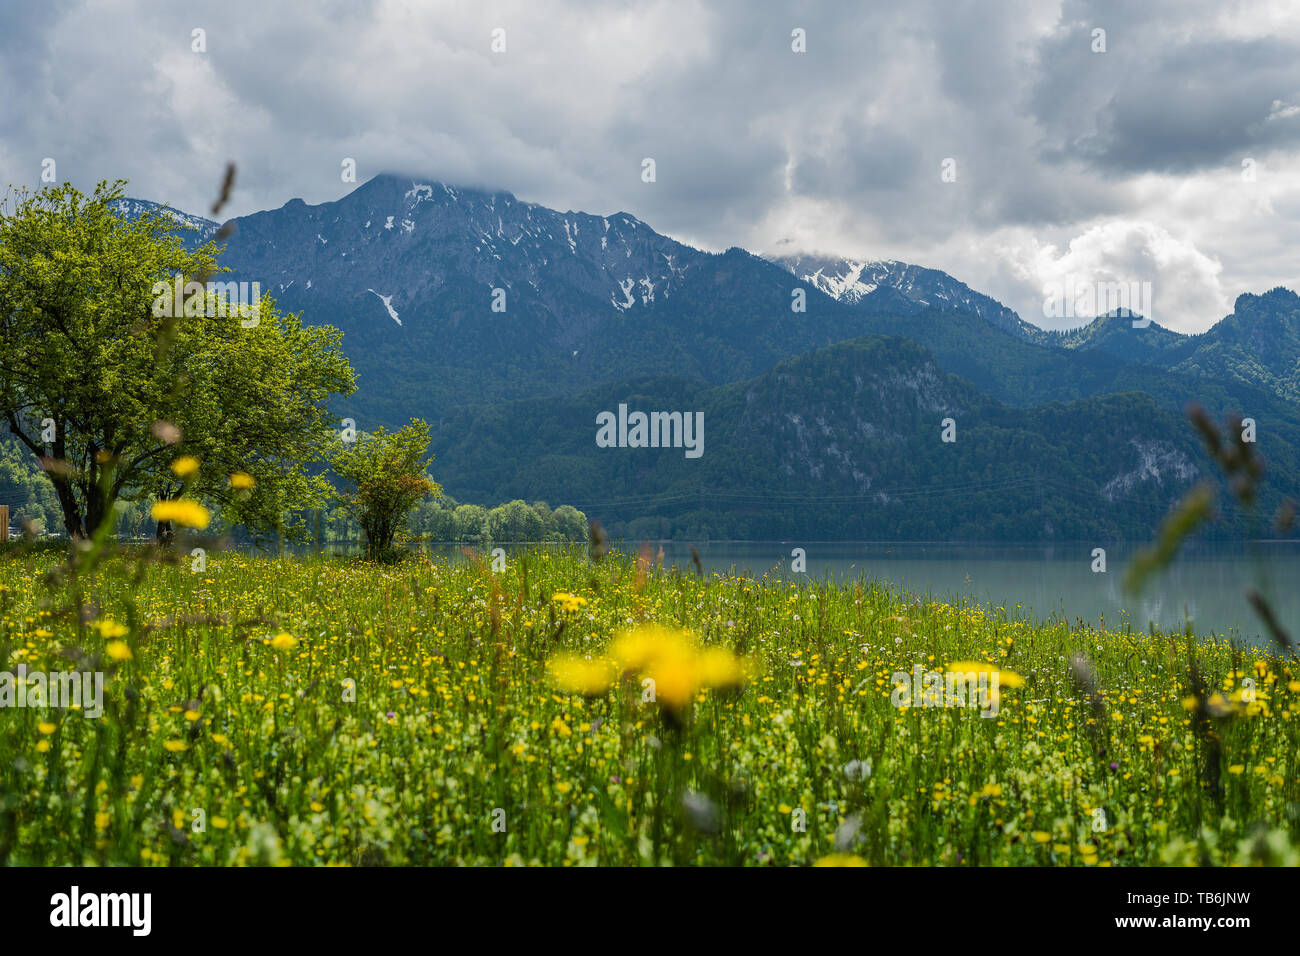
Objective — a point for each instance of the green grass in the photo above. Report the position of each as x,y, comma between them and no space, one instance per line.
458,749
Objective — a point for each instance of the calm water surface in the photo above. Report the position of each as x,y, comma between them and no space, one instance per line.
1204,586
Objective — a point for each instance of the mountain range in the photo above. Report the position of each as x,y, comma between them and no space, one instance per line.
824,382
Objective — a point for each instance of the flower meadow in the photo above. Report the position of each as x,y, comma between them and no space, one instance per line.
328,711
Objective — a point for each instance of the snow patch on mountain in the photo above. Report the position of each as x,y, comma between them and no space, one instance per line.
418,193
388,304
131,209
860,281
847,286
625,286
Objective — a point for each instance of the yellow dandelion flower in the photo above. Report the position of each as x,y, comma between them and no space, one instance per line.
190,514
674,675
841,859
175,746
1004,677
109,628
185,466
570,602
283,641
242,481
45,727
718,667
634,650
118,650
580,675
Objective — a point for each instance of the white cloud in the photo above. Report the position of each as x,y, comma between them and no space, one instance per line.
1184,281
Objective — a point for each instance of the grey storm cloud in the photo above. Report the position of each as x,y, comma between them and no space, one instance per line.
1066,158
1196,106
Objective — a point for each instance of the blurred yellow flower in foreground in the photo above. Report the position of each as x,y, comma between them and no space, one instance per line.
109,628
1005,678
668,658
841,859
118,650
634,650
191,514
570,602
283,641
675,673
185,466
243,481
580,675
718,667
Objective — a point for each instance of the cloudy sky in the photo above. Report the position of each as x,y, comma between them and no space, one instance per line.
1172,157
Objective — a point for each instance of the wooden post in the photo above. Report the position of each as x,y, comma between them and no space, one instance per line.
4,523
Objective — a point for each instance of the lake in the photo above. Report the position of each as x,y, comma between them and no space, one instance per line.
1204,586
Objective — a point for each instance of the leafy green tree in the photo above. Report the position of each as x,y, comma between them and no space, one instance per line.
435,519
389,475
514,521
570,523
441,525
547,517
258,417
470,522
108,382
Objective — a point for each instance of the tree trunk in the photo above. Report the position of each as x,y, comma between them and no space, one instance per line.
98,507
68,503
